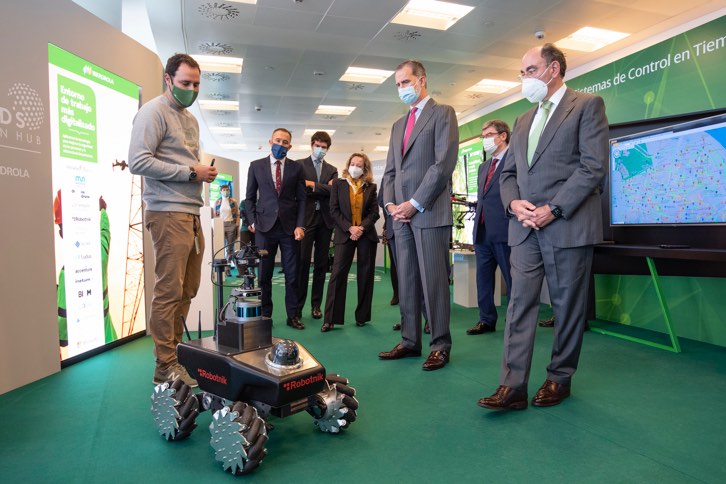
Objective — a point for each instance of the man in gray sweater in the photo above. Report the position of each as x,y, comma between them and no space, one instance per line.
164,149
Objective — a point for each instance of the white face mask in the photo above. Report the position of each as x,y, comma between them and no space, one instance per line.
489,145
319,153
225,194
534,88
355,172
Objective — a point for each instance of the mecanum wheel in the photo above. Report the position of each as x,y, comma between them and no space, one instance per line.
238,438
174,408
335,407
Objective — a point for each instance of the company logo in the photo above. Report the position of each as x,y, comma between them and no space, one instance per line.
88,71
303,382
22,114
211,376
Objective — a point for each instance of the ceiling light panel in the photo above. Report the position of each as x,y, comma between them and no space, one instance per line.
233,146
493,86
363,74
219,105
335,110
590,39
312,131
216,63
431,14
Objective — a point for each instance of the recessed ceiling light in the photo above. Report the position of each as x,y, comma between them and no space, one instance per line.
493,86
335,110
363,74
251,2
589,39
226,129
219,105
381,148
217,63
431,14
312,131
233,146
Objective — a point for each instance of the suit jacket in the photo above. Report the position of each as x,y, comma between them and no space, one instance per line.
423,171
321,193
387,219
489,202
264,206
342,214
567,169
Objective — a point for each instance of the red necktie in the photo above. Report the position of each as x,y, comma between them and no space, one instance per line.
490,173
278,177
409,127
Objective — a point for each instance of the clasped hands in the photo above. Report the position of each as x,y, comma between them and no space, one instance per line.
356,232
531,216
403,212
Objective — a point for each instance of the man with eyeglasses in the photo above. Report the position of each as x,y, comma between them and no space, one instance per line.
550,186
275,206
490,226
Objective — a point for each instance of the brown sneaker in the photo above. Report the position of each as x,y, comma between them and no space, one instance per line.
172,372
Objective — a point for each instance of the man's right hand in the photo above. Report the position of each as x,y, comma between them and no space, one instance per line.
205,173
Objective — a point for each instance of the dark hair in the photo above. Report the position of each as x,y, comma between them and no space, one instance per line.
499,125
551,53
417,68
172,65
322,137
283,130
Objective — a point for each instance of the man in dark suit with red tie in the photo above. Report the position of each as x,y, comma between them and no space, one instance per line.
276,210
491,226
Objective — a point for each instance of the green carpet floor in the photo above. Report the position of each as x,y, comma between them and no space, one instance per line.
636,414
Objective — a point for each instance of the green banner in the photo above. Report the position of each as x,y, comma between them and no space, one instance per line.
681,75
88,70
77,121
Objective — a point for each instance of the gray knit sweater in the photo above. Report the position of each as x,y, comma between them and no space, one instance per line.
164,145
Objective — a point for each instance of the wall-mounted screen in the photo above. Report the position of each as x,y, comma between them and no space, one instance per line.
670,176
96,204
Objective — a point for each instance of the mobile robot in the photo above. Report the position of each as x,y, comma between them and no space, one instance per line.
246,375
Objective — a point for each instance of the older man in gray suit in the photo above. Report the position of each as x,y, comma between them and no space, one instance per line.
550,186
421,158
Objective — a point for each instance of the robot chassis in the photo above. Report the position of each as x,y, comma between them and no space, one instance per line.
246,375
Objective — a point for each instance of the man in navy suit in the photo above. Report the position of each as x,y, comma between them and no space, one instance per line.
276,211
319,176
490,226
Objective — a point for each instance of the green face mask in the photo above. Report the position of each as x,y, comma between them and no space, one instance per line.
185,97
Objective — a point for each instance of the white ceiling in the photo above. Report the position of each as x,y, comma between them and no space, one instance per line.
285,42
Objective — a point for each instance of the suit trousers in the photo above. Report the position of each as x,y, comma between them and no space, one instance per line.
489,255
338,284
568,272
423,268
290,249
178,272
317,234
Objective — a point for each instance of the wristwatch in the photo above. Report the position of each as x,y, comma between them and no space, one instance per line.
192,174
556,211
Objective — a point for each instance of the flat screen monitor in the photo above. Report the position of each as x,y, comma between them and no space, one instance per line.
675,175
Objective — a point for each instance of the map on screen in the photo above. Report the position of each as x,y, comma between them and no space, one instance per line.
674,175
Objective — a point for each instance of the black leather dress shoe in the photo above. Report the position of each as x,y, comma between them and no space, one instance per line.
550,394
547,323
326,327
394,301
436,360
295,323
505,398
316,314
399,351
397,327
360,323
481,328
427,328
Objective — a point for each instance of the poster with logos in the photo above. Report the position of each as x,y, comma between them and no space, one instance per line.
464,182
96,204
